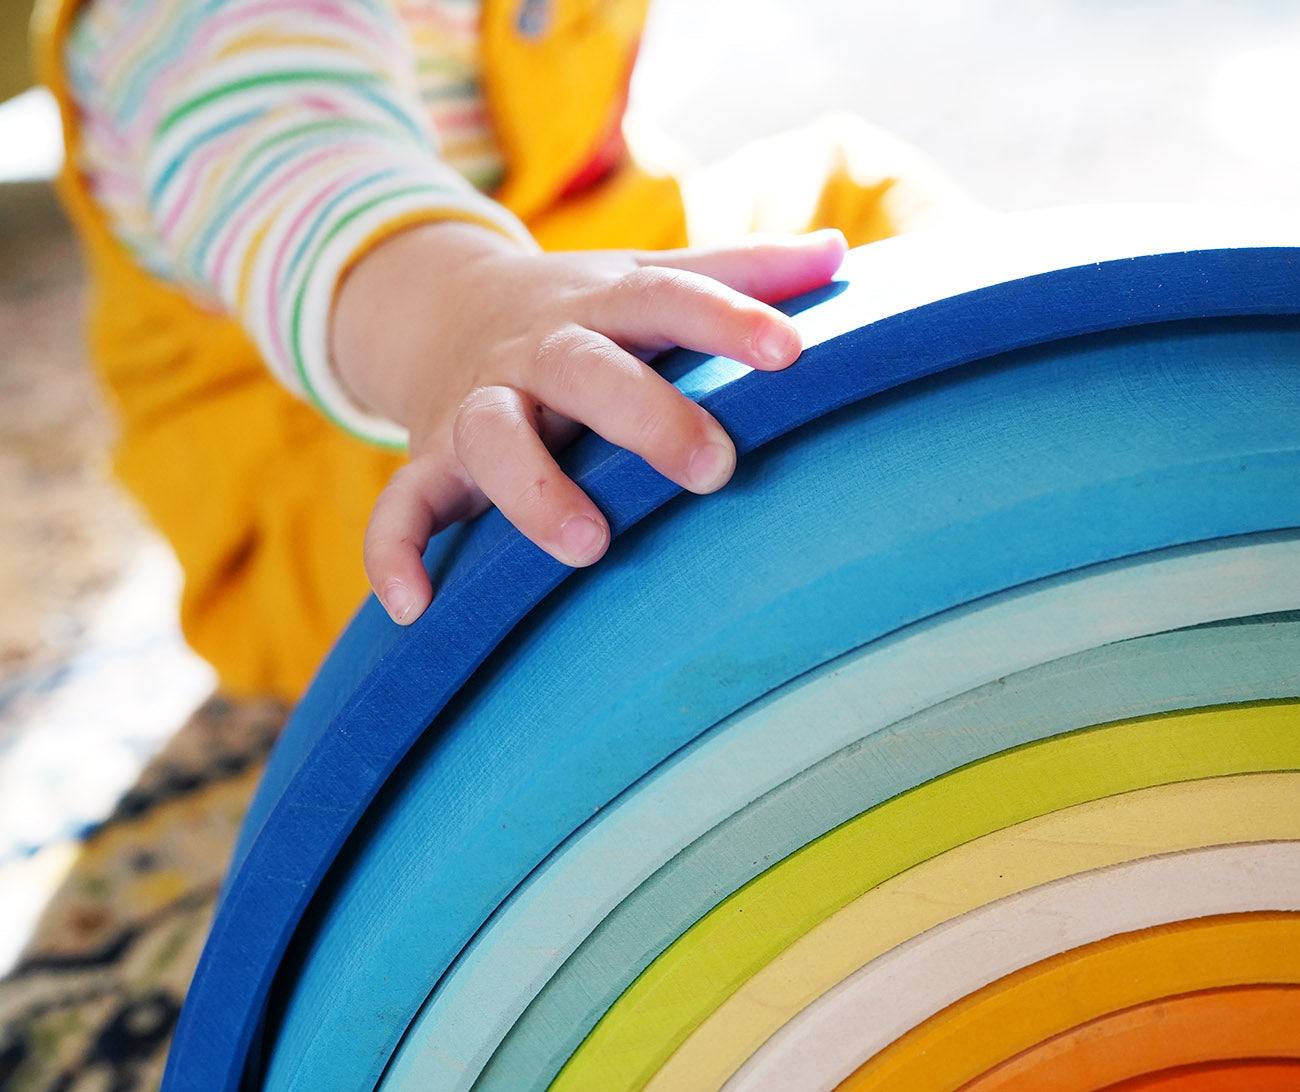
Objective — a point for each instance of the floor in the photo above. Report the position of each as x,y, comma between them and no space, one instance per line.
1028,103
93,674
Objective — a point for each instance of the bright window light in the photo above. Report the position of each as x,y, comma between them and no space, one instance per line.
1255,104
31,144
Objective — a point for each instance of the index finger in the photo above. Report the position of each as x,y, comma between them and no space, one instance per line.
764,267
657,307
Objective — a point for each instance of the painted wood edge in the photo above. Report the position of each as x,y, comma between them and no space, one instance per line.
269,887
751,927
511,927
816,1048
1029,1006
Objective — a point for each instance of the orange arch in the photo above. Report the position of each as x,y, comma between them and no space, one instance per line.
1023,1009
1208,1026
1248,1075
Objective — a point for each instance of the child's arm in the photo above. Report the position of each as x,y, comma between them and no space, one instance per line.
488,354
247,150
256,151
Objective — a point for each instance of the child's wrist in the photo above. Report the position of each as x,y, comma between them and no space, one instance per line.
385,309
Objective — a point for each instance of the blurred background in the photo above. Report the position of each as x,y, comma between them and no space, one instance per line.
1028,103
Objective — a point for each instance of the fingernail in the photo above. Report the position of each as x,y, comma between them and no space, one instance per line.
822,235
711,466
778,346
398,601
582,539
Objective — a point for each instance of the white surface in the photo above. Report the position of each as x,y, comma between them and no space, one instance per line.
829,1039
1028,103
31,146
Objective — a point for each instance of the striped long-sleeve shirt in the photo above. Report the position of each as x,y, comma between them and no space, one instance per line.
248,149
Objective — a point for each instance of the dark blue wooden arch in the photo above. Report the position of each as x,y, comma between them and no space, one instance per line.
1029,280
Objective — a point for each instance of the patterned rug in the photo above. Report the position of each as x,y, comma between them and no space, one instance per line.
95,995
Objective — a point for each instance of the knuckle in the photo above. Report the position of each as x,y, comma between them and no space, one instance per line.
393,501
561,353
478,410
647,278
404,481
485,401
661,427
751,325
634,291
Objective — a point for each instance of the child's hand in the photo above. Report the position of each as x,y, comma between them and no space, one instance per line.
491,356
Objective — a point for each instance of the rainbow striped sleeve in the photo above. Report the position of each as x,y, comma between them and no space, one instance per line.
250,149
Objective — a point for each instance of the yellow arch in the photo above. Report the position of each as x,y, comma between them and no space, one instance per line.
1098,834
751,927
1024,1009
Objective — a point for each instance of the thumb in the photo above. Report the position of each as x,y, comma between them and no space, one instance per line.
420,500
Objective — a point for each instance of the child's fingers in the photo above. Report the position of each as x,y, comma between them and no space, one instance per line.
654,308
588,378
767,268
497,443
419,501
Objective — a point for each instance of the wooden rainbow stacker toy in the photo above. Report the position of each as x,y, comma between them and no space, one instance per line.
954,744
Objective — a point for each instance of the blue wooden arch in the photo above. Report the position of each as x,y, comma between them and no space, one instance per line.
900,311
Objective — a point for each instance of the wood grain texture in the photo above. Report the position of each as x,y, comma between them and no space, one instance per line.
1030,1006
890,538
1241,1022
854,695
835,1026
1249,1075
382,688
709,962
